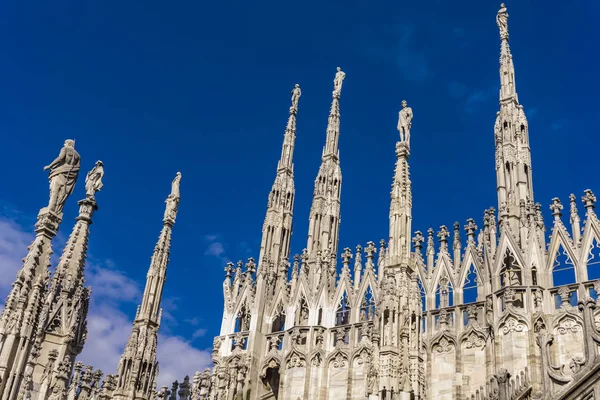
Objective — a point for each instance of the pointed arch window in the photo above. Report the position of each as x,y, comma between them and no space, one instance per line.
471,286
563,268
302,312
320,316
367,307
279,319
534,276
444,294
242,321
342,314
422,295
593,261
510,273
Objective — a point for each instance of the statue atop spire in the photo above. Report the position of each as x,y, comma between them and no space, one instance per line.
64,171
502,22
93,180
405,117
173,200
175,186
337,82
296,93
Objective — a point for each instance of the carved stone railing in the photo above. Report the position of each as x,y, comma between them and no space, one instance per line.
504,387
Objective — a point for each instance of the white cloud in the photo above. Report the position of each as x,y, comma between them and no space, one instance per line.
13,247
215,248
108,326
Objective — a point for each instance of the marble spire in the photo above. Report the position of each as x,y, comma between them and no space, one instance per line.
324,220
511,132
19,322
67,295
401,202
277,228
138,367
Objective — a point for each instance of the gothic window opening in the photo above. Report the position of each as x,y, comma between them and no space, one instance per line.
302,312
242,321
444,294
563,269
471,286
422,295
510,274
279,320
534,279
593,261
271,382
342,314
508,177
367,308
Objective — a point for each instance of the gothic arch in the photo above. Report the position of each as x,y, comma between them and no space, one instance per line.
473,337
442,342
338,359
512,321
294,359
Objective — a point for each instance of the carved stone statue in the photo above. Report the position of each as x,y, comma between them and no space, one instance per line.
173,199
296,93
93,180
175,185
502,21
64,171
337,82
405,117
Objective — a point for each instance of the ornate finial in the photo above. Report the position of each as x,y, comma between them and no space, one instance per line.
64,171
456,241
470,227
405,117
588,199
370,250
556,208
346,256
337,82
228,270
573,202
443,235
358,258
417,241
93,180
296,266
250,266
502,22
430,243
296,93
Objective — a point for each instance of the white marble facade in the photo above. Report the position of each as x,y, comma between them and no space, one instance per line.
505,310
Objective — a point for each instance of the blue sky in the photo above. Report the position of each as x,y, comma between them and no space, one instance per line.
154,87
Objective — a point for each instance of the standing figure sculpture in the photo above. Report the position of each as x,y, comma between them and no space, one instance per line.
502,21
173,199
64,171
296,93
93,180
337,82
405,117
175,185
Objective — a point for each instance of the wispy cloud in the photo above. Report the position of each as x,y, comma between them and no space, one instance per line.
13,247
215,248
558,125
397,43
108,326
471,98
